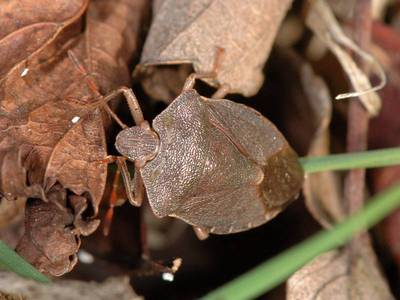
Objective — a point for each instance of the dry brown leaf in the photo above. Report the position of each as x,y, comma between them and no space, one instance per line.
37,110
105,48
14,193
12,220
51,238
343,8
27,26
322,190
329,277
191,32
10,210
79,206
49,242
37,113
13,177
322,22
112,288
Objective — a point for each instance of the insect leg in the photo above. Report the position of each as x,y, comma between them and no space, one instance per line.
223,90
190,81
92,86
201,233
135,198
132,101
139,186
112,202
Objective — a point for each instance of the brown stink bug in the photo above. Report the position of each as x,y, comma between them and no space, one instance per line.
216,164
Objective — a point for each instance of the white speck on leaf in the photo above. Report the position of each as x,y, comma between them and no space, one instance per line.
24,72
75,119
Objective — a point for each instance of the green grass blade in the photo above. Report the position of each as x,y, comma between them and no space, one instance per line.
275,271
11,261
346,161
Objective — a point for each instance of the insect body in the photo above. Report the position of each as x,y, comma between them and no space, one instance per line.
216,164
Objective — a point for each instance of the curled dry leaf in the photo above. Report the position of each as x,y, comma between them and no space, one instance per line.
13,177
52,231
112,288
10,210
79,205
329,277
49,242
322,190
322,22
14,192
37,113
11,220
186,32
309,97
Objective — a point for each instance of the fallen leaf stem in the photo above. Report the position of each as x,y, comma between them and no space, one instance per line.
354,160
273,272
11,261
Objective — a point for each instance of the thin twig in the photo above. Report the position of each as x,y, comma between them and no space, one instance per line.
357,126
357,132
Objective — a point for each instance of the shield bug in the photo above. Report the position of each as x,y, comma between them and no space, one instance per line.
216,164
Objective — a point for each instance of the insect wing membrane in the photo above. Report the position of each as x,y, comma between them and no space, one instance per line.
261,141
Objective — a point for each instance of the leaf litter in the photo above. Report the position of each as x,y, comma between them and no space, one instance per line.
351,272
309,97
53,142
36,112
